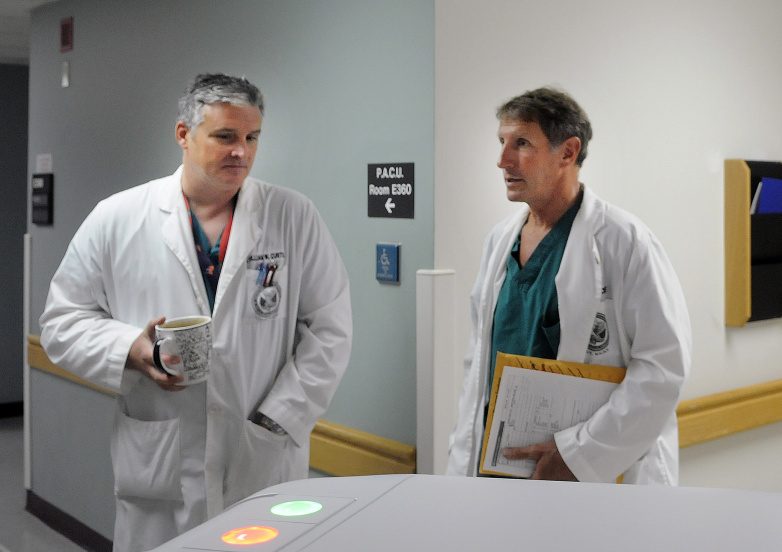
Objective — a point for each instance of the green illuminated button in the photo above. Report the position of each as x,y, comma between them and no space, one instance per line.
296,508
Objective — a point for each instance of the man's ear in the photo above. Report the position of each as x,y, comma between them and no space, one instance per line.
570,150
180,131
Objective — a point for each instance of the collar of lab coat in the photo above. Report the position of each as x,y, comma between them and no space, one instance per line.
177,235
579,280
245,234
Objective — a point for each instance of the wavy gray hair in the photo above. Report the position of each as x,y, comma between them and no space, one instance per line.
557,113
209,88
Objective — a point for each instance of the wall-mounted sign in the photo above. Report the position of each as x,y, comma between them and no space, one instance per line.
387,262
391,190
43,199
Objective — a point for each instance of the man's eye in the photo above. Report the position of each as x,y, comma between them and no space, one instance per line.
252,138
521,142
224,137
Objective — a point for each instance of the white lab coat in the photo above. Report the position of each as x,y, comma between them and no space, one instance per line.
180,458
615,275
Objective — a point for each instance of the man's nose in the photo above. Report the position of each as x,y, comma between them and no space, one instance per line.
239,150
504,160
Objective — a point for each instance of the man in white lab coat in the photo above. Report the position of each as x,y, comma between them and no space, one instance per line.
571,277
196,243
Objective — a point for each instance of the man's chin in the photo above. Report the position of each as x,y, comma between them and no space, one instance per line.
227,183
236,171
516,196
234,176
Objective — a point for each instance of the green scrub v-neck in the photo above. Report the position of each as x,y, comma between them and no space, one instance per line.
526,317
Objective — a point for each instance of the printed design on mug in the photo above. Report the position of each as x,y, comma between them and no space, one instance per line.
194,346
267,295
598,340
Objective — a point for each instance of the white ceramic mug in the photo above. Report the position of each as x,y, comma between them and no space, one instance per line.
190,338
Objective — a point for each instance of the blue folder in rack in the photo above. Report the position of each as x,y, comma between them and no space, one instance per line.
770,199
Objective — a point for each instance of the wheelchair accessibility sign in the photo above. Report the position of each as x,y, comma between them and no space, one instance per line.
387,262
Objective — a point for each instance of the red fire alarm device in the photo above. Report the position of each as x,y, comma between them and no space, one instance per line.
66,34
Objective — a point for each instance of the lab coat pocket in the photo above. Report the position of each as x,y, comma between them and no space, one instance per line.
260,461
146,459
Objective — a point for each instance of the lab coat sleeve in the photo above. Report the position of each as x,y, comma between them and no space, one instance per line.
77,330
324,331
656,323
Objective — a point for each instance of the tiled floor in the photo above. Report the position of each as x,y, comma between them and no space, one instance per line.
20,531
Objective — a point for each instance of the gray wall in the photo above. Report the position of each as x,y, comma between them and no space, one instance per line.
347,82
71,425
13,213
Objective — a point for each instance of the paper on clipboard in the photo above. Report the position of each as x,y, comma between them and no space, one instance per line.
532,399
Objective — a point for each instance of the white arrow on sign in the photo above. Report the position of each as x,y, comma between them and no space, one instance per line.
390,205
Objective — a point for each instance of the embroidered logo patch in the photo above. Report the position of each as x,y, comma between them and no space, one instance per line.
598,340
267,296
266,300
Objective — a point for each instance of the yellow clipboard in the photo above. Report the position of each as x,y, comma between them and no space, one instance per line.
610,374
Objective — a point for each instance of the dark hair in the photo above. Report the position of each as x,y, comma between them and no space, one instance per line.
209,88
558,115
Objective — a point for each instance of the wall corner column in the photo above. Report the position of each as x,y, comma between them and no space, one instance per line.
436,371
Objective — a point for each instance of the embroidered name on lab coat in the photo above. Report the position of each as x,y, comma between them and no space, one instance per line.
266,297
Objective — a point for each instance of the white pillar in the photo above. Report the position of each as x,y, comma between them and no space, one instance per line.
436,368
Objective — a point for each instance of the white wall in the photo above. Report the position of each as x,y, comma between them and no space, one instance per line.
672,88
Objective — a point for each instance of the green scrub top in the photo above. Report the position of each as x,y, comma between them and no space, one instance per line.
208,259
526,317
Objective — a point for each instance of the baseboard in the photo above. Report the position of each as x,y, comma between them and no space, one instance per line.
722,414
67,525
341,450
11,410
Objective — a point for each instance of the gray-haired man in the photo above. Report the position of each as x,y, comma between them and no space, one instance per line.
572,277
207,240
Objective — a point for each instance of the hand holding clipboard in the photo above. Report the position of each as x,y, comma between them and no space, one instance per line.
533,398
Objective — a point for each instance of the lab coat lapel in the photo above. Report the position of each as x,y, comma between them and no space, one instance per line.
178,235
495,276
245,233
580,281
496,268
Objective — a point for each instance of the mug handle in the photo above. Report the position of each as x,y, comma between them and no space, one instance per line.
156,358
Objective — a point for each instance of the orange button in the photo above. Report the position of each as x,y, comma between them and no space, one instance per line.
250,535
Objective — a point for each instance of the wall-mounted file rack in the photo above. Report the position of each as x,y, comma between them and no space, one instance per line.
753,246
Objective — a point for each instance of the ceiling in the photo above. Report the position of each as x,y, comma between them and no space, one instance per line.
15,29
